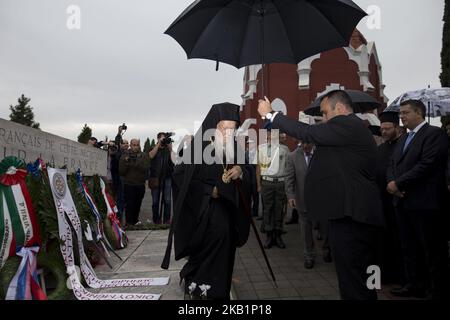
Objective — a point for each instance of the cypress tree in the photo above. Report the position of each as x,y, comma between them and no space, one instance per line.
85,134
23,113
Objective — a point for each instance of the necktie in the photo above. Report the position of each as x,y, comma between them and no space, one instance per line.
308,158
408,140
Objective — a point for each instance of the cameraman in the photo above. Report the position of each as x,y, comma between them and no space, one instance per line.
133,168
121,147
160,180
93,142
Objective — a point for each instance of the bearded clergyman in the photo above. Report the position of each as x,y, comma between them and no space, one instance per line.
211,189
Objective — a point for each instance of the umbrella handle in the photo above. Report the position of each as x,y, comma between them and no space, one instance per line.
261,12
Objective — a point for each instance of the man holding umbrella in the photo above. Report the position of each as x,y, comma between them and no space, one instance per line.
340,187
243,33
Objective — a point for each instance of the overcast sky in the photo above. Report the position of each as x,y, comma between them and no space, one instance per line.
120,67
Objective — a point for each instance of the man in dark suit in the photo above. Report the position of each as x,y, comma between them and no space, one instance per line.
391,261
417,180
340,186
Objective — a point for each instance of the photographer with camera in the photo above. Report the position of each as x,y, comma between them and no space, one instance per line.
121,130
93,142
160,181
133,168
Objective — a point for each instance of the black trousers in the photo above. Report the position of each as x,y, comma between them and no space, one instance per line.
391,261
424,250
255,202
354,248
134,194
274,202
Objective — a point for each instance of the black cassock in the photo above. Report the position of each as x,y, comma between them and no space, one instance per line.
205,229
209,230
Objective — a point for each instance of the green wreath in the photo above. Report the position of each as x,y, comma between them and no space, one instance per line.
49,262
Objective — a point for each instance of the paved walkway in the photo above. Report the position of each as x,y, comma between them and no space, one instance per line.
251,280
142,259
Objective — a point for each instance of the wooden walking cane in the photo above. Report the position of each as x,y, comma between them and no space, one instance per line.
238,183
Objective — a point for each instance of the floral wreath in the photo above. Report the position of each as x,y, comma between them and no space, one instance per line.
12,171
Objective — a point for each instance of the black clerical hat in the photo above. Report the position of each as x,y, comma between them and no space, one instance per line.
389,116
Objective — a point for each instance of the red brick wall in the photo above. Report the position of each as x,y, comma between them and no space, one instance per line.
281,81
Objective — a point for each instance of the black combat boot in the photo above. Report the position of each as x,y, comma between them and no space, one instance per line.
269,240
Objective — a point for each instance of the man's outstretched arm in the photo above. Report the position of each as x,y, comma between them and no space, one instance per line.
328,134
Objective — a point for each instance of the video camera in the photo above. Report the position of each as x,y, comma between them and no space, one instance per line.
122,129
132,156
100,144
167,139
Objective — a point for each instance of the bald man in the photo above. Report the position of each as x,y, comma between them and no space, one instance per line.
340,187
133,169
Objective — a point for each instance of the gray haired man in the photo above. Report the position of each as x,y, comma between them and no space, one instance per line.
296,168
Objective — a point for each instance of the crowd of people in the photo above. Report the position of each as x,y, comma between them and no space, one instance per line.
386,205
130,171
374,198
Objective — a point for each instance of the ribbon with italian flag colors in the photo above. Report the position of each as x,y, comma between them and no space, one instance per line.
19,231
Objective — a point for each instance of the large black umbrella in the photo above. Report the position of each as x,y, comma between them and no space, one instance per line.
361,102
249,32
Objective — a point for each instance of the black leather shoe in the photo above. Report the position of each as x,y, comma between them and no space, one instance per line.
327,256
408,291
269,241
309,264
278,241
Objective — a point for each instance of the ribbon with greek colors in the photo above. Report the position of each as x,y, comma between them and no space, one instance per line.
66,208
112,216
25,285
90,201
100,236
